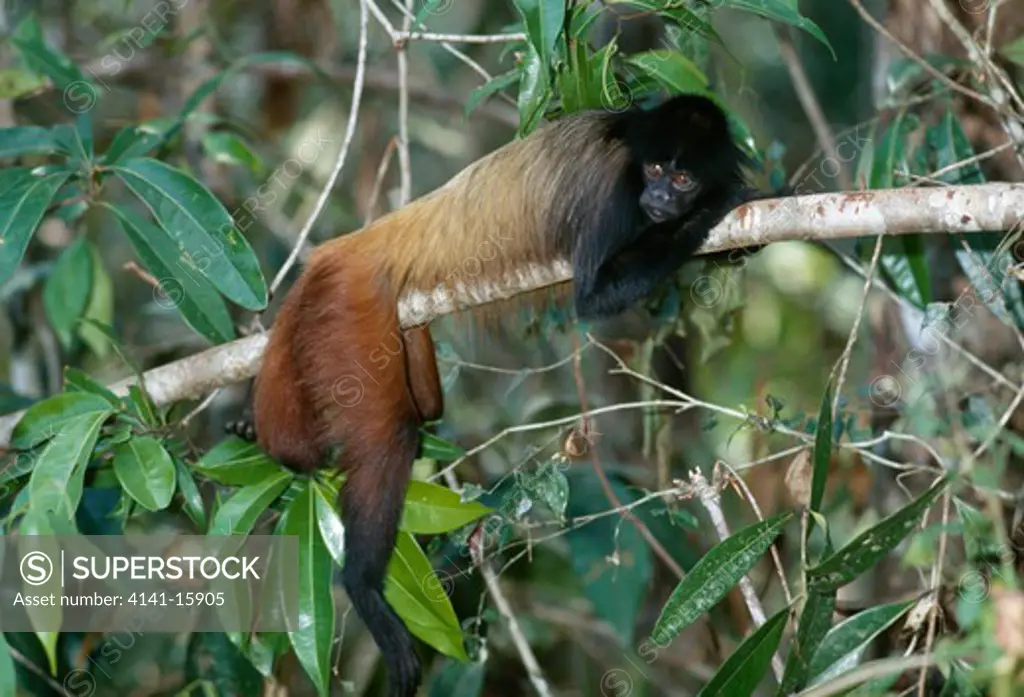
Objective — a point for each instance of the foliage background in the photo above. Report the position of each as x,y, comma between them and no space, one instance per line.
246,104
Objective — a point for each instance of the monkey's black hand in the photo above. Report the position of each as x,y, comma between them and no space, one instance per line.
243,428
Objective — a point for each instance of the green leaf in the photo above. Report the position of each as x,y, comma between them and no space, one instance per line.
39,56
192,500
239,513
431,509
458,679
332,530
100,308
843,646
868,548
237,463
131,142
420,598
782,11
534,92
742,672
493,86
543,22
822,451
146,472
8,674
815,621
207,239
717,571
195,298
688,20
21,210
985,263
67,290
46,418
1014,51
15,82
440,449
227,148
673,70
609,557
28,140
56,480
313,635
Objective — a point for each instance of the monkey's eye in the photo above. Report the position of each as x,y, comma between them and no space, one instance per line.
681,181
653,171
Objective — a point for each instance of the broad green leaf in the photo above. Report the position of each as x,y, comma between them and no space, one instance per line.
8,675
15,82
48,417
27,140
237,463
67,290
1014,51
21,210
195,298
239,512
28,39
131,142
868,548
814,624
609,557
822,450
688,20
543,22
431,509
742,672
146,471
782,11
717,571
204,232
420,598
985,264
332,530
491,87
56,480
45,619
903,258
100,308
439,449
227,148
458,679
192,500
612,96
313,634
12,178
548,485
534,91
843,646
140,402
674,71
575,79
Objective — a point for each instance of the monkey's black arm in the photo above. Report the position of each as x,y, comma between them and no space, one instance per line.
632,274
624,278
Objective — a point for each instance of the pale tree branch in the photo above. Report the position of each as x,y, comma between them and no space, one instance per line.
946,210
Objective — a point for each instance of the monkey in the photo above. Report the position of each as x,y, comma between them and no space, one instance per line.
624,197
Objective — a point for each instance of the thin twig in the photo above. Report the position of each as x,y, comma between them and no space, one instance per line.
925,65
844,361
540,683
350,130
811,106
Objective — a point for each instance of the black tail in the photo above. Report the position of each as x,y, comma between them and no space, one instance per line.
372,500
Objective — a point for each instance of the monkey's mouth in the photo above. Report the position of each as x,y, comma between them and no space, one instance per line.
657,215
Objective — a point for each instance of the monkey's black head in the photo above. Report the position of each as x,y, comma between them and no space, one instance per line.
680,151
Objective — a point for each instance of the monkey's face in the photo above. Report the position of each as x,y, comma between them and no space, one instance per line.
669,191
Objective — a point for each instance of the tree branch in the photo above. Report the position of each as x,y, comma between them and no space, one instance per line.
954,209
